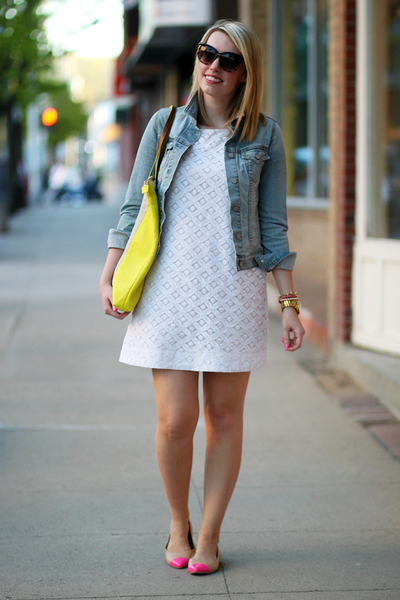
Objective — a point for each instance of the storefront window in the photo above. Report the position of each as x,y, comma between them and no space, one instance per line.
391,179
301,102
383,176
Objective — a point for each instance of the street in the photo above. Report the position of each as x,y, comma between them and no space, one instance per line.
315,515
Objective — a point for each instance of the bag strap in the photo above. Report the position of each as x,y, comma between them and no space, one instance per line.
162,142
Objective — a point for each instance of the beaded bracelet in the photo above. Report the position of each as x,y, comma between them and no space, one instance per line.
288,296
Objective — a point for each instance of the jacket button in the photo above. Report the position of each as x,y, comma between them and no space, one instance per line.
258,156
231,155
234,180
238,235
236,208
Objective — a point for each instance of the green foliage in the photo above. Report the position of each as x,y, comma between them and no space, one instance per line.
26,67
25,57
72,118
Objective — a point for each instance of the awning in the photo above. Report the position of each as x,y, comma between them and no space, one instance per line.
165,46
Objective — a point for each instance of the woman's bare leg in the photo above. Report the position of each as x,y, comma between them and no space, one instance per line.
224,395
177,416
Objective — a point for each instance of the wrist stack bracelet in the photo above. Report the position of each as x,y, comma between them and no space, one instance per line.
290,299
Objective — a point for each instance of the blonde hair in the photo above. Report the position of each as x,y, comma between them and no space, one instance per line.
246,102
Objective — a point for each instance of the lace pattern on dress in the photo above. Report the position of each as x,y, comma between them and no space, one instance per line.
197,312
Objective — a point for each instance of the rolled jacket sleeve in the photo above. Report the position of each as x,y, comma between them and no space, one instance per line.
272,208
118,238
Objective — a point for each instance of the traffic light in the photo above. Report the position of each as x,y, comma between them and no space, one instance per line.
49,116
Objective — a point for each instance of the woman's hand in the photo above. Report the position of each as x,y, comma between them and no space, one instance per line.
293,330
106,299
113,257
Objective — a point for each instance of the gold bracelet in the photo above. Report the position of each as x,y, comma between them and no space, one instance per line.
294,302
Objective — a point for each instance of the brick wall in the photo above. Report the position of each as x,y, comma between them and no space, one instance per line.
342,137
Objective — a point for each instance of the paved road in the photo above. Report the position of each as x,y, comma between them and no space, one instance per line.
315,515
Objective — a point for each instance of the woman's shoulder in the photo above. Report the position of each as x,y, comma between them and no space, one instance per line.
265,133
267,122
159,118
268,129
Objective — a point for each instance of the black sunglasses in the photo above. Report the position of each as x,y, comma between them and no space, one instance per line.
229,61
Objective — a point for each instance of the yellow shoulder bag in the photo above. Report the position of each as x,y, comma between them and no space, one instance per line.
140,251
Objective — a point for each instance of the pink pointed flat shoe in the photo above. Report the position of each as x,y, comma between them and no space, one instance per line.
180,560
203,569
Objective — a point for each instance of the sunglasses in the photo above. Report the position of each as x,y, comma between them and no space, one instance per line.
229,61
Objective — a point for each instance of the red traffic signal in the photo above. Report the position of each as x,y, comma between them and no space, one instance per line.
49,116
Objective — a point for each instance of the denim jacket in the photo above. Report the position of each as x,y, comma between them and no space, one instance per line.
256,178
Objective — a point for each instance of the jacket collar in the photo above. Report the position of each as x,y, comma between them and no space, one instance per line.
192,107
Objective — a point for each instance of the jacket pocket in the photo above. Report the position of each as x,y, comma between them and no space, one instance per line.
254,159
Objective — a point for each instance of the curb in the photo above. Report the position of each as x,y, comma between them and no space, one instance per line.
360,405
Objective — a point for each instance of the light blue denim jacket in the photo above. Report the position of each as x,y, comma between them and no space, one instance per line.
256,177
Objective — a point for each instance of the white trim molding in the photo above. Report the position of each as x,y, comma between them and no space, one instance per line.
376,260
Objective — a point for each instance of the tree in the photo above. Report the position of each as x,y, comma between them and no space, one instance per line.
25,56
26,66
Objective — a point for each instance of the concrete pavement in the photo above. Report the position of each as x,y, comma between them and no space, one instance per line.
315,515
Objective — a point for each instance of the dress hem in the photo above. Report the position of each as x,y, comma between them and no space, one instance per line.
196,369
199,367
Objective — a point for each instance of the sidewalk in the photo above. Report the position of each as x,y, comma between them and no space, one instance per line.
315,515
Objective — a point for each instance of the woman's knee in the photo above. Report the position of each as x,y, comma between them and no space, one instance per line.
177,426
222,416
177,403
224,395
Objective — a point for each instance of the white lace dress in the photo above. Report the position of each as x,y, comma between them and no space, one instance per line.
197,312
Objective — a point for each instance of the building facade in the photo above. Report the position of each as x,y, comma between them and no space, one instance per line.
332,81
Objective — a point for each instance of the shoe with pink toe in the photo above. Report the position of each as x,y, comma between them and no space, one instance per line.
180,560
196,568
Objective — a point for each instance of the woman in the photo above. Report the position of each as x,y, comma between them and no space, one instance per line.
222,199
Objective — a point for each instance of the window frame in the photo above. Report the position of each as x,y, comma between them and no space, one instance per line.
317,116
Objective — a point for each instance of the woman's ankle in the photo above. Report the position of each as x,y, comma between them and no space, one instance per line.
208,538
180,520
180,536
